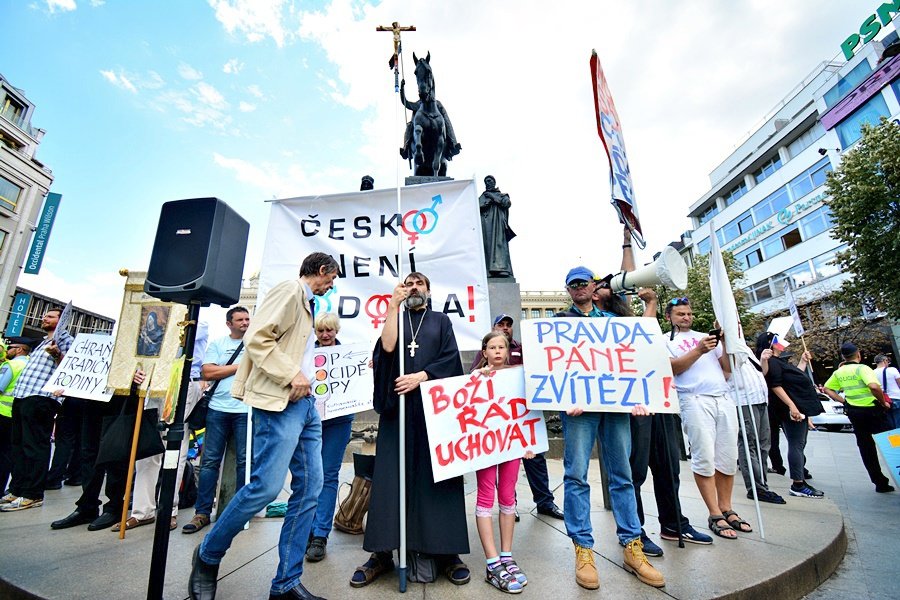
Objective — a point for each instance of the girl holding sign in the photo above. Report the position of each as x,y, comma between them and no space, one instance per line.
502,571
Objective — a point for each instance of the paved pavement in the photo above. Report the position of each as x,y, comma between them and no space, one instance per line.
805,541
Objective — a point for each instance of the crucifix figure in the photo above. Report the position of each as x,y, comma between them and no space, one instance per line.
395,29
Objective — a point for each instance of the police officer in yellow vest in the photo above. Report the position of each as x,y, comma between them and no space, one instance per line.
16,357
865,404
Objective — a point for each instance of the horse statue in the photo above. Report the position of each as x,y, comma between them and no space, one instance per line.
429,139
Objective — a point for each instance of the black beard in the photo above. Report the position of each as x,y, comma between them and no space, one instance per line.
415,302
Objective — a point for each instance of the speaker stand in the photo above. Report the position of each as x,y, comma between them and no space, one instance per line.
157,579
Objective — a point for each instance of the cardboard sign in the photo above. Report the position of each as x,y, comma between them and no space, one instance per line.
343,384
601,364
84,369
438,227
888,444
477,421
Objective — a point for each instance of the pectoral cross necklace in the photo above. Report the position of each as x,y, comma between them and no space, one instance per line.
413,345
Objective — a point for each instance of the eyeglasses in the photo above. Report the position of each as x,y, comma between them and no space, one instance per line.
577,285
679,301
603,285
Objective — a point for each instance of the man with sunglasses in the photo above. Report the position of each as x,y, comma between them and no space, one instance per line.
581,430
708,415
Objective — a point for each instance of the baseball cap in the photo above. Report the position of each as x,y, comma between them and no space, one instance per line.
579,272
848,349
503,317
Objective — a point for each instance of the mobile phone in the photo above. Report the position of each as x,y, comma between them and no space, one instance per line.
716,333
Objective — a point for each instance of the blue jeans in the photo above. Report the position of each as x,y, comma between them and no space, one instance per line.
281,440
614,433
335,436
894,414
220,426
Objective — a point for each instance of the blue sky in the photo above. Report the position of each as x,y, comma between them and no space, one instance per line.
145,102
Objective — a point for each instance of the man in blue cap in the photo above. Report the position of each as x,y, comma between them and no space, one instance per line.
581,430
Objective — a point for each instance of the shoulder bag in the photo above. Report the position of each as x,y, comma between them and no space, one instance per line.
197,419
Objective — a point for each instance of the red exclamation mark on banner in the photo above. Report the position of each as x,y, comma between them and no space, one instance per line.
471,290
667,387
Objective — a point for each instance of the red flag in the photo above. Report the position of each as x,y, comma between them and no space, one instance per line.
610,129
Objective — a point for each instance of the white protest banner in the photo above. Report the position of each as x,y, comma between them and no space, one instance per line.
440,230
343,383
62,324
792,307
601,364
84,369
477,421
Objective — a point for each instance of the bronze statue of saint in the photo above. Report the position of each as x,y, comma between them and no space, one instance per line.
495,229
367,183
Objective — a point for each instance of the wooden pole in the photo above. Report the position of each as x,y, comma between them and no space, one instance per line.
134,444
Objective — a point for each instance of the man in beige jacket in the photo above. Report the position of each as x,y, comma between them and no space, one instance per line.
273,378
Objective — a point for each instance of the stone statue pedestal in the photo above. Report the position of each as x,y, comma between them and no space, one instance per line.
417,179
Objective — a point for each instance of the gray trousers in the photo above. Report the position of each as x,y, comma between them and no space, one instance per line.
759,413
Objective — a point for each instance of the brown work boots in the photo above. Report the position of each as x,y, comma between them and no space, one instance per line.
635,562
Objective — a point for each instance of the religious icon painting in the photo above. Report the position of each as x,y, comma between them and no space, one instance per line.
153,329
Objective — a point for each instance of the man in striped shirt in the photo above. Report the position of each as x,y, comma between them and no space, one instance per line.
33,413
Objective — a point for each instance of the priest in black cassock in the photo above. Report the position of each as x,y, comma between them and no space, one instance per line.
436,513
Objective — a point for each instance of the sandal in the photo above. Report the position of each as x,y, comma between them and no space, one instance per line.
458,573
132,522
373,568
502,579
737,523
198,522
513,569
720,530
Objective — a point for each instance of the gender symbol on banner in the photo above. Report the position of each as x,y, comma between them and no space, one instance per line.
413,217
325,298
376,308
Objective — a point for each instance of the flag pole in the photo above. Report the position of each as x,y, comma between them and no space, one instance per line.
741,389
394,64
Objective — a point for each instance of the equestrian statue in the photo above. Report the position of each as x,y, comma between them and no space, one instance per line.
429,139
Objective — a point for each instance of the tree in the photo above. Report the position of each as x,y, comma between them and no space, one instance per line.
865,208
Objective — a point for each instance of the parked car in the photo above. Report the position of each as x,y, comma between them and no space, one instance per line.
833,419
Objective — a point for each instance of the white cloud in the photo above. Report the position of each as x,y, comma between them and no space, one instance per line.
256,19
100,292
209,95
96,3
255,91
233,67
61,5
246,106
277,180
119,80
188,72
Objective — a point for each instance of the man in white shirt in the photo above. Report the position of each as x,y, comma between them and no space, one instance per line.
752,402
889,379
708,415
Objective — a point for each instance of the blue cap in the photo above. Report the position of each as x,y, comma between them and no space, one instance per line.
579,272
503,317
848,349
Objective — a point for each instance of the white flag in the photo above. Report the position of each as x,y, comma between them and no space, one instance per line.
723,303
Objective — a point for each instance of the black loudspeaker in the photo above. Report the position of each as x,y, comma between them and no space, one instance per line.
198,254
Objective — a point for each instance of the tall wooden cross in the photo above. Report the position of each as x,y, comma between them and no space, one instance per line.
395,28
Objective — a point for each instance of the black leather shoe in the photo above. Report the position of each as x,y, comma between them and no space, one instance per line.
104,521
52,485
297,592
78,517
202,583
551,511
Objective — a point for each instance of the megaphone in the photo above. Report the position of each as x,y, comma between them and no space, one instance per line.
669,270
